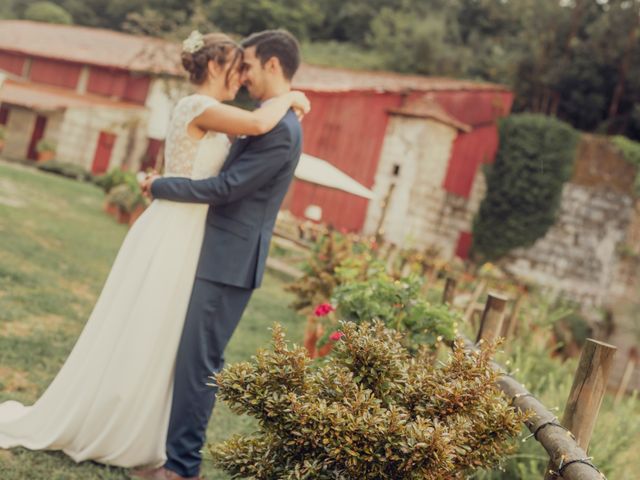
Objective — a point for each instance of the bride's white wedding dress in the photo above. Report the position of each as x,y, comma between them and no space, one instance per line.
111,400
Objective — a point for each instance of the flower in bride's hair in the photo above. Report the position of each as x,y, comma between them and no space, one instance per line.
193,43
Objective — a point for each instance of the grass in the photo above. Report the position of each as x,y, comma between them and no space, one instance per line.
56,248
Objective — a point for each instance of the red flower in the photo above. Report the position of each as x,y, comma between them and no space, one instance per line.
324,309
335,336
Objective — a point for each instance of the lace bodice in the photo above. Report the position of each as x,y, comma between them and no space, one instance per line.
189,157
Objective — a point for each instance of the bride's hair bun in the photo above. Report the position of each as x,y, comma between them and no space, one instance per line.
198,52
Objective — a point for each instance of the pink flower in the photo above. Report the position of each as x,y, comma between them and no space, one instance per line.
335,336
324,309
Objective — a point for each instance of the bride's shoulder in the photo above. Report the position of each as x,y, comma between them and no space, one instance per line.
195,100
191,106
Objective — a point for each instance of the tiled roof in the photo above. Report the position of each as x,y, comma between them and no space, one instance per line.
38,96
121,50
91,46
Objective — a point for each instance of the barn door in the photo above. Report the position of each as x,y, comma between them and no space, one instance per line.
36,136
103,152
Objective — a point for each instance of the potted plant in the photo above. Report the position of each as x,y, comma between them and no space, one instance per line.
2,136
46,150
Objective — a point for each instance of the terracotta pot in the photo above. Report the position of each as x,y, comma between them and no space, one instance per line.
312,334
123,217
136,213
110,209
45,156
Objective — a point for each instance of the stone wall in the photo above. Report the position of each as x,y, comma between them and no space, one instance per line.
82,126
580,255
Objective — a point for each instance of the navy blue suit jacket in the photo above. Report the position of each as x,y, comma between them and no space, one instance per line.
245,198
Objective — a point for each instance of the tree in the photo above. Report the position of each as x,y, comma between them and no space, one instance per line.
47,12
243,17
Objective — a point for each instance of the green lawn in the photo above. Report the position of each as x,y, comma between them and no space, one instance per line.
56,247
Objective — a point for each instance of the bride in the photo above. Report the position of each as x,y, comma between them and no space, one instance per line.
111,400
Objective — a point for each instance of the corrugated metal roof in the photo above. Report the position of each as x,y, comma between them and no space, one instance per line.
313,77
45,97
131,52
427,107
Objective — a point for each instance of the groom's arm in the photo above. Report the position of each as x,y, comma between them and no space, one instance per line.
257,165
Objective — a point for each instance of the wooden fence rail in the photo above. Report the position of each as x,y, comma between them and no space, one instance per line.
566,442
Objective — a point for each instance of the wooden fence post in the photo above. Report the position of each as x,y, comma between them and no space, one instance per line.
492,317
587,392
449,291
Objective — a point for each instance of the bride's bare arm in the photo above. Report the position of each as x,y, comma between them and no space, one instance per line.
236,121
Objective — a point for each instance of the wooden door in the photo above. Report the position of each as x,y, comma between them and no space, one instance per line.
103,152
36,136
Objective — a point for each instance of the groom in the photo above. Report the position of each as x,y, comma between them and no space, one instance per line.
245,198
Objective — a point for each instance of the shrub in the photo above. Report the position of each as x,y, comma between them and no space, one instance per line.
319,280
69,170
630,150
125,198
48,12
3,132
115,177
371,411
45,145
524,186
398,304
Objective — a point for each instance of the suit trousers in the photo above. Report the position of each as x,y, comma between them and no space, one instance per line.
213,314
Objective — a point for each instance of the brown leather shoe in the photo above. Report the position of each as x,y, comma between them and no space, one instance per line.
160,474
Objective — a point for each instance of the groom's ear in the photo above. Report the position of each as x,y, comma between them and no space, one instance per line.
273,65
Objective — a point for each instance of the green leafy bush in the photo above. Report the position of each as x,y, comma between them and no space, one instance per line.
524,186
371,411
631,152
48,12
115,177
69,170
397,303
46,145
3,132
125,198
320,277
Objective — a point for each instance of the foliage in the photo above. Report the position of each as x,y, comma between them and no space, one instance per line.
69,170
524,186
48,12
122,189
372,411
398,304
46,145
126,198
631,152
3,132
342,54
319,280
244,17
114,177
549,378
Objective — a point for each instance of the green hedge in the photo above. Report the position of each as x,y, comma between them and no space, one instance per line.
524,186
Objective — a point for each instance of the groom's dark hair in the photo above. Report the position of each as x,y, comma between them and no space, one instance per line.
276,43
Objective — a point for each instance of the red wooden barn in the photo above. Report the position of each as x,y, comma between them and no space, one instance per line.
425,136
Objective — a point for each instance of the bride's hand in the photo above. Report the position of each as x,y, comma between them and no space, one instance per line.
299,103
